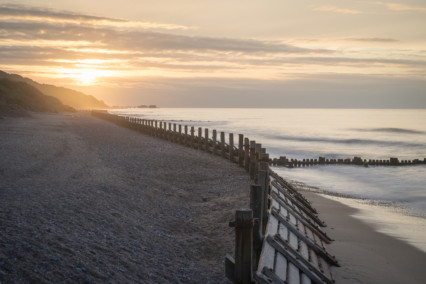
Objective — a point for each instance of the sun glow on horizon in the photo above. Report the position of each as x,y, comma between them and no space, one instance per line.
85,76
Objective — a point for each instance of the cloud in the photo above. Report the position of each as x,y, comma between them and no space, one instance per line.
143,39
401,7
335,9
380,40
48,41
32,14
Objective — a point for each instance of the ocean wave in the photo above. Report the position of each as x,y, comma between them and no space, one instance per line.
346,141
391,130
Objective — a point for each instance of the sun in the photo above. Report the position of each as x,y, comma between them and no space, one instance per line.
85,76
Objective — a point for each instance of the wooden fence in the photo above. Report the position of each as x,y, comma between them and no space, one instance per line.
358,161
280,238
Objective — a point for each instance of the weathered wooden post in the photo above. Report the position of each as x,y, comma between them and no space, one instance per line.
174,133
231,147
263,181
192,136
240,150
258,147
240,269
200,133
169,136
180,140
214,142
222,143
206,139
252,160
246,154
256,204
186,135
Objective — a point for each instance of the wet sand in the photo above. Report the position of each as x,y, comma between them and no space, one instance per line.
85,201
366,256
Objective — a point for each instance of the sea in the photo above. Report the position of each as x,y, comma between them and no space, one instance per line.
391,199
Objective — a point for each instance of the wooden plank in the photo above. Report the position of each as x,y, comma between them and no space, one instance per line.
293,240
267,258
292,219
303,265
290,188
293,274
299,205
283,231
300,226
281,267
273,189
230,268
309,233
284,212
301,235
272,227
275,204
304,279
314,259
315,229
303,249
267,276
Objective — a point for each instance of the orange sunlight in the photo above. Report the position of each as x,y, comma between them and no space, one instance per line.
85,76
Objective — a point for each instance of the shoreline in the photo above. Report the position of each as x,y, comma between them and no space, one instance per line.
366,255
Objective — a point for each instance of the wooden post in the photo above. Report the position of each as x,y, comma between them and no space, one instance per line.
186,135
246,154
200,133
192,136
240,150
214,142
256,204
243,267
222,143
263,181
206,139
231,147
257,146
252,160
180,140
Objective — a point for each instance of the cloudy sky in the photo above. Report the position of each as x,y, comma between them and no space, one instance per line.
199,53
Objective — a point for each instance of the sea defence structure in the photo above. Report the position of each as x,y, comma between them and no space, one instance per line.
358,161
280,238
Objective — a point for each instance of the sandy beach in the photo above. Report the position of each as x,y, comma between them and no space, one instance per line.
365,255
85,201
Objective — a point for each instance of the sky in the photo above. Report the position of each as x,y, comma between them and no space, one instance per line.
199,53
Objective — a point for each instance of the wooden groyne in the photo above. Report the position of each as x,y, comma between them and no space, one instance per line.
280,238
357,161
